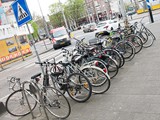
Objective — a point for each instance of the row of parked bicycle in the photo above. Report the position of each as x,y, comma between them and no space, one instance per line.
86,70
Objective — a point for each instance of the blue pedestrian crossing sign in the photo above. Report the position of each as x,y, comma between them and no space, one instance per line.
21,12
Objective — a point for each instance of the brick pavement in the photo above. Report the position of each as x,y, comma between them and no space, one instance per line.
134,92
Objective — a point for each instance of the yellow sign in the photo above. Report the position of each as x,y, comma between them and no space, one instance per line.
9,48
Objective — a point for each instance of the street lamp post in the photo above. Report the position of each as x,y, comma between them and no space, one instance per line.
64,17
39,60
44,22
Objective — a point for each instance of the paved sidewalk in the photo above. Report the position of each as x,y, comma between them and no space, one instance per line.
134,92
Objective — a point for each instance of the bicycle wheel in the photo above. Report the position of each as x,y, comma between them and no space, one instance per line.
16,103
115,55
150,33
79,87
99,80
111,65
121,56
99,63
127,50
143,35
56,103
136,41
150,39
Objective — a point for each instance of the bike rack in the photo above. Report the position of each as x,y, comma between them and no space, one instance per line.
40,97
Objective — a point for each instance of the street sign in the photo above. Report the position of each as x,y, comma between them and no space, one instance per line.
21,12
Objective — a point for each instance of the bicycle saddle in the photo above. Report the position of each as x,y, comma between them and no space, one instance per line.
35,76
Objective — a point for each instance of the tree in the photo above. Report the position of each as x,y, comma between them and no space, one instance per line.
75,10
56,17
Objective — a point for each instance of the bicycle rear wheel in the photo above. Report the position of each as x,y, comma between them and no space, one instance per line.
99,80
16,103
79,87
56,103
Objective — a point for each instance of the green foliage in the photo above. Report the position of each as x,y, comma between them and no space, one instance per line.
35,28
56,18
73,10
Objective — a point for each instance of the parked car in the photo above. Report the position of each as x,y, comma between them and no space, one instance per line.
89,27
131,12
107,26
60,37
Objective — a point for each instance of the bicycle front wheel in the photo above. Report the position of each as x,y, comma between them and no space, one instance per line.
16,103
56,103
79,87
136,41
99,80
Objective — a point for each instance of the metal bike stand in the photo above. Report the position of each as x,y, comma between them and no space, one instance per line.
41,100
1,65
33,117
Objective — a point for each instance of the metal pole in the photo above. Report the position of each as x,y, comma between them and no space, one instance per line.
45,24
19,47
39,60
123,11
64,17
150,11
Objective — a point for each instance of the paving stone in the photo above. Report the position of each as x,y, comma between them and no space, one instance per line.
140,116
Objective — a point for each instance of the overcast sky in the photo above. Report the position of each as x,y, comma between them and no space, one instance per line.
33,5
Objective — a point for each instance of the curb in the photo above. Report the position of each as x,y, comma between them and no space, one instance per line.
2,108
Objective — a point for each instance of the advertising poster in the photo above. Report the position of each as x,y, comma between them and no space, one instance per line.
9,48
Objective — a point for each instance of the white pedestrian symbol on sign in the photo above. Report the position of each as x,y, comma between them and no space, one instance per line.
21,13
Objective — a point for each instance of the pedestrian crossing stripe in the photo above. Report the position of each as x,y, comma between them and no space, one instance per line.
21,12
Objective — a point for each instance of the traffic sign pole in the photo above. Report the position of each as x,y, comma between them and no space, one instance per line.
150,11
39,60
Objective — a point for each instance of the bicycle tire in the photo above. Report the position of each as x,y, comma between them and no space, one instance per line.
99,63
75,87
53,103
150,40
122,58
115,55
136,41
143,35
112,66
21,103
126,47
153,36
99,80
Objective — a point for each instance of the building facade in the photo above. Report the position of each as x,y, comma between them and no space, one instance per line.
98,9
13,39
